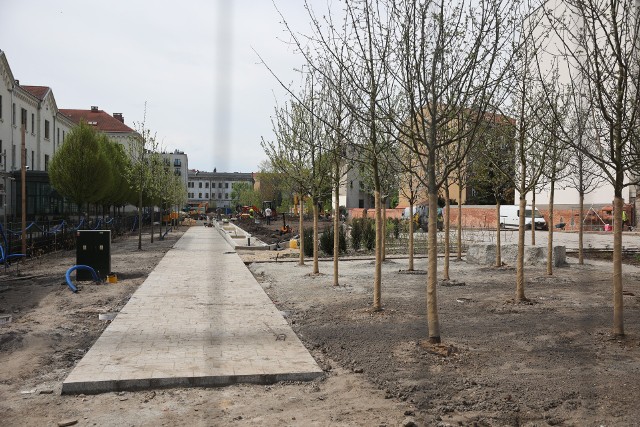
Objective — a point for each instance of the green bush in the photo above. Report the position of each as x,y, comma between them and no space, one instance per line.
393,228
308,242
326,241
356,234
368,233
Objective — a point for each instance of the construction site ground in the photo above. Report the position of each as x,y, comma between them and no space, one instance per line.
552,361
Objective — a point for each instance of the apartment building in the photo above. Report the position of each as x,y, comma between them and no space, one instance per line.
33,108
214,187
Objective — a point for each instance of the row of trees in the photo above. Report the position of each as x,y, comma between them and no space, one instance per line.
89,168
420,94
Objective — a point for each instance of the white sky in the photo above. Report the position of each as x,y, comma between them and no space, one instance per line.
121,53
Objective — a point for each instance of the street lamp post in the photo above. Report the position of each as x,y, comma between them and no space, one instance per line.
23,184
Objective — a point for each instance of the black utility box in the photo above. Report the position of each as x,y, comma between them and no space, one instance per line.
93,248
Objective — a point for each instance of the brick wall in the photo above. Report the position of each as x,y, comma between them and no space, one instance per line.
485,216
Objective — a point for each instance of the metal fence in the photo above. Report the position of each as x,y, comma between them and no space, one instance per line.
50,236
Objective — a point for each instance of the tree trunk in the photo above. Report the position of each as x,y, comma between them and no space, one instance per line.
459,234
432,272
411,236
447,229
581,230
301,232
550,238
140,220
316,270
520,260
336,227
377,279
152,218
533,217
384,229
498,242
618,306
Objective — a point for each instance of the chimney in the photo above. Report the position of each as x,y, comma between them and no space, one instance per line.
17,82
118,116
94,108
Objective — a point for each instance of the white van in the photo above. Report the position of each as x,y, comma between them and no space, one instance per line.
509,218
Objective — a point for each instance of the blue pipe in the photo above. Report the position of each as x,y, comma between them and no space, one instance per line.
6,259
79,267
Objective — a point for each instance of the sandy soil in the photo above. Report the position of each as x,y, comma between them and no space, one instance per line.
549,363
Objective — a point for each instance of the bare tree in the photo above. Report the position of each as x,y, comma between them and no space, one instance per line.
411,189
289,154
141,147
600,41
583,175
449,59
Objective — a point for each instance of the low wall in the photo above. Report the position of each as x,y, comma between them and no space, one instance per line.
485,254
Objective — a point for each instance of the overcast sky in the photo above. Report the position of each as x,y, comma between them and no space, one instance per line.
194,66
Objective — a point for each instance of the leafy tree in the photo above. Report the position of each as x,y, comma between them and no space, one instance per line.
119,191
243,193
80,169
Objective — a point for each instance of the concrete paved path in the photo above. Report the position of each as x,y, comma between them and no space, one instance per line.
200,319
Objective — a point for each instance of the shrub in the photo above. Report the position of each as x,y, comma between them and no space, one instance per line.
393,228
356,233
368,233
308,242
326,241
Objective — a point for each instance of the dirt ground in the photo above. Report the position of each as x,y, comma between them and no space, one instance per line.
552,362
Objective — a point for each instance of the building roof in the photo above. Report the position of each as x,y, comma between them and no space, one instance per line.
37,91
102,121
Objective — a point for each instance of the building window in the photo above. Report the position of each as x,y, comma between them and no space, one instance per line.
63,135
206,184
46,162
13,114
23,118
33,123
199,195
58,136
177,162
200,184
178,172
219,195
226,196
226,185
46,129
206,195
219,185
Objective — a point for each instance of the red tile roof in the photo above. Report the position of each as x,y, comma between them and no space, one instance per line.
102,121
37,91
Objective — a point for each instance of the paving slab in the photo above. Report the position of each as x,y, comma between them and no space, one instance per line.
199,319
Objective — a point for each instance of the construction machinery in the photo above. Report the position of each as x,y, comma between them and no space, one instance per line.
249,212
285,227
